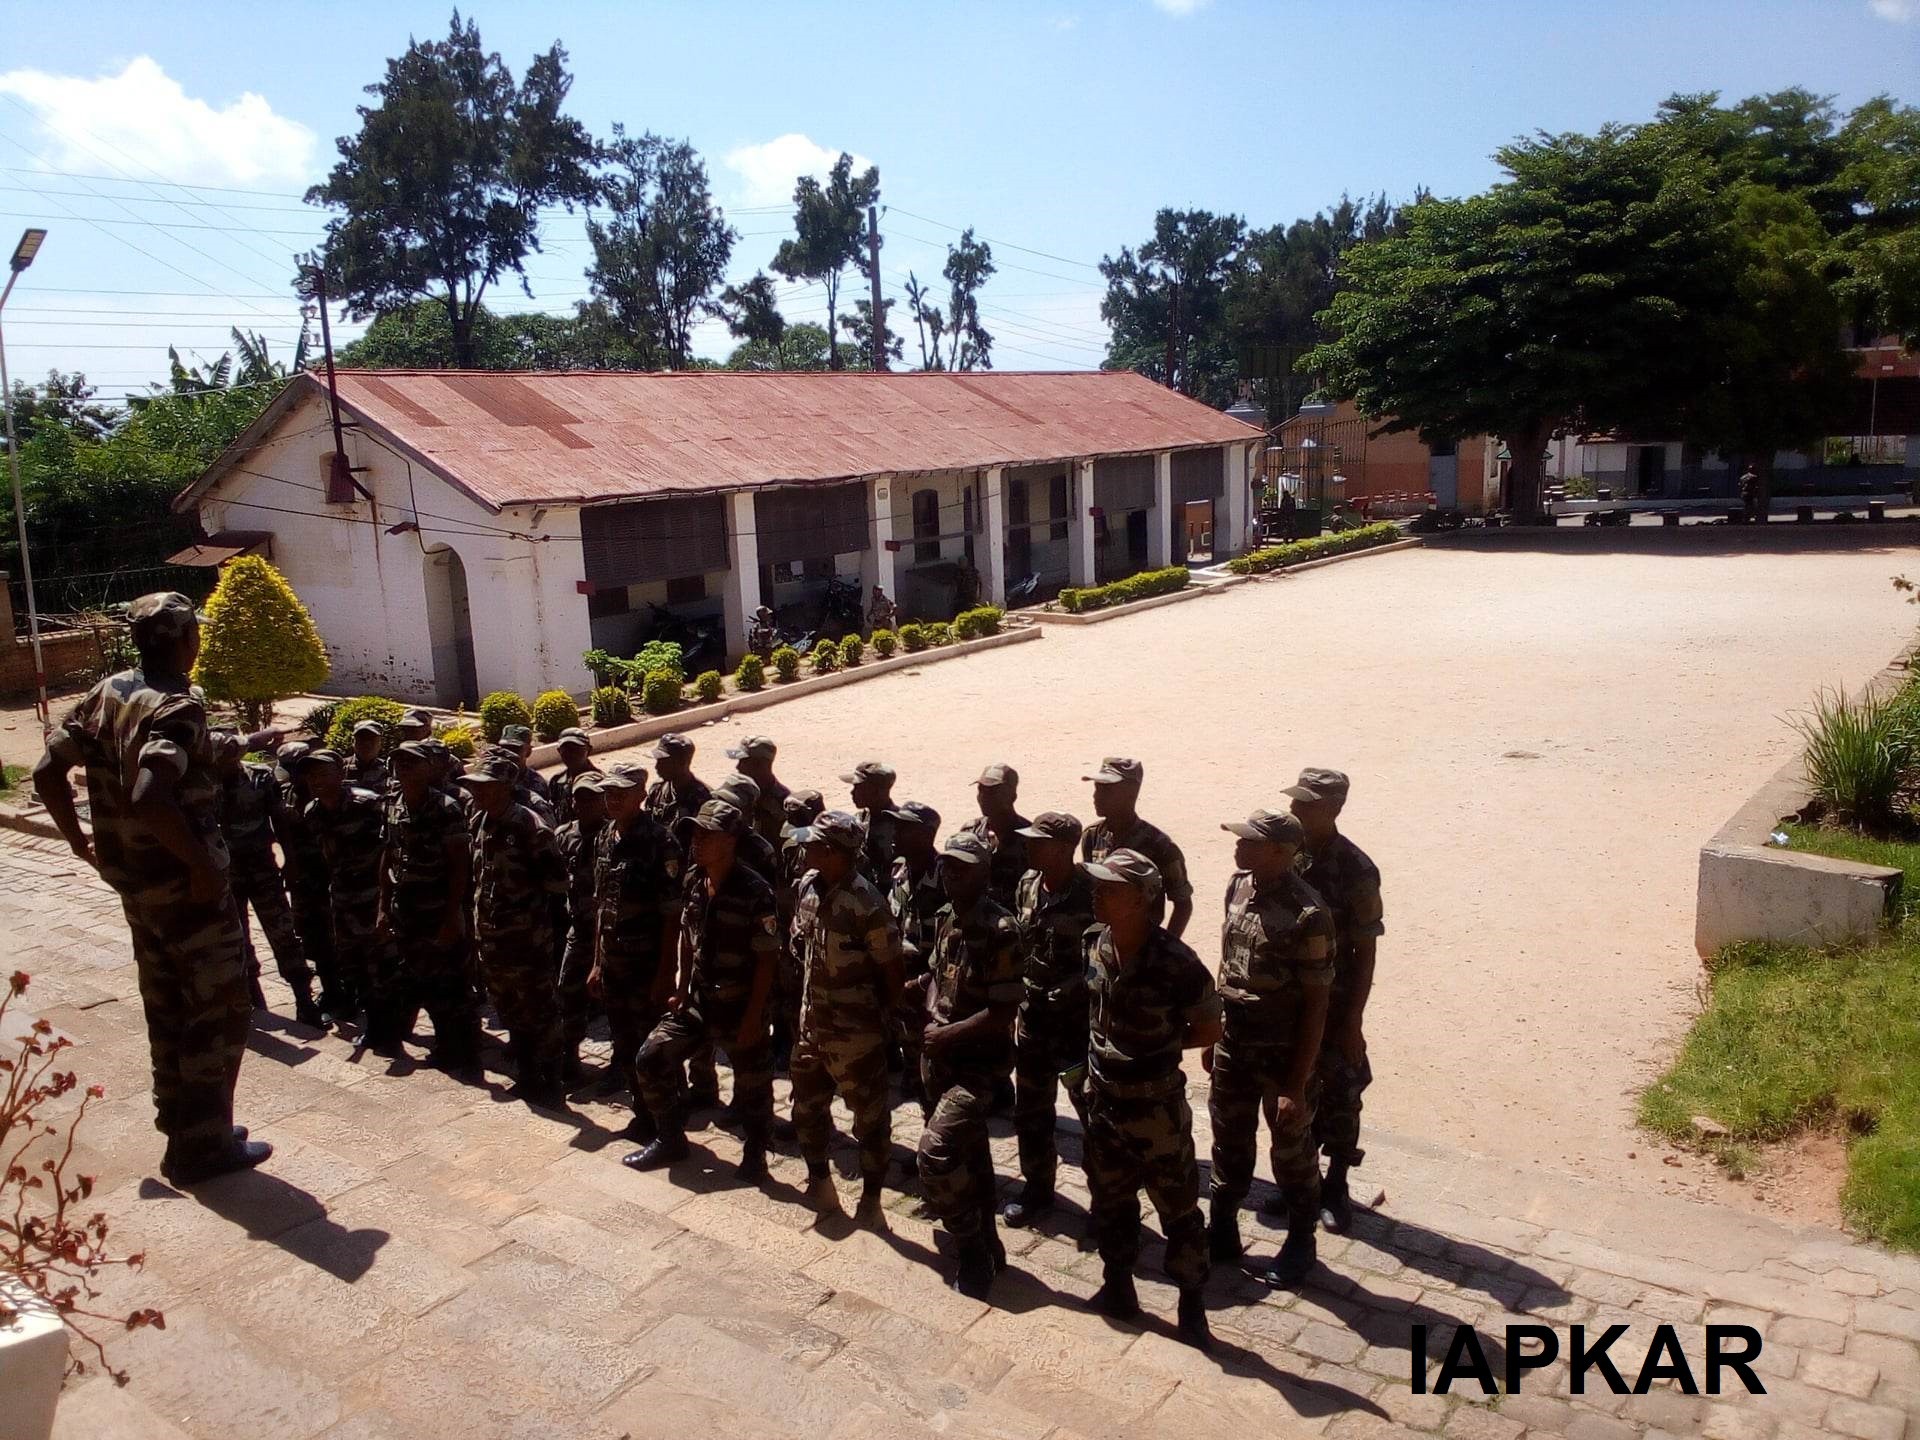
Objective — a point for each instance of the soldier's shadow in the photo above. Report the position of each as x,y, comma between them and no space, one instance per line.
270,1209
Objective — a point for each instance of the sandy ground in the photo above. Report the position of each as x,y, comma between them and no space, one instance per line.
1539,740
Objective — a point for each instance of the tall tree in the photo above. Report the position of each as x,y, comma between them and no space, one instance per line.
830,233
663,251
752,311
800,346
66,401
968,344
859,328
418,336
1881,281
441,190
1166,301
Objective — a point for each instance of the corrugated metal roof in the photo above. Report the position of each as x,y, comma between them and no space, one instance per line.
521,438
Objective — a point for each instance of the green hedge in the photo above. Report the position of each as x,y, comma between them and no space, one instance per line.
980,621
1278,557
708,686
554,711
661,693
349,713
501,709
752,674
884,643
1077,601
786,663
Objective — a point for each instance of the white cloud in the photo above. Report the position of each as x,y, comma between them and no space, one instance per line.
767,172
1900,12
1186,7
143,114
1064,23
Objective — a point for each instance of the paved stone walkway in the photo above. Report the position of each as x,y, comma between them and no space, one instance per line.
425,1259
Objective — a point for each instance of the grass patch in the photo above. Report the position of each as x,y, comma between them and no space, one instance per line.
12,777
1793,1038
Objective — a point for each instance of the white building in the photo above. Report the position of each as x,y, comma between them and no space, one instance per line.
498,524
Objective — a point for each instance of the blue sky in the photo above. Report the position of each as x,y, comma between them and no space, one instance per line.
1052,125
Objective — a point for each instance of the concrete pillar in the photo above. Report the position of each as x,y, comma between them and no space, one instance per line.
1160,521
878,566
1080,527
742,595
992,548
1230,522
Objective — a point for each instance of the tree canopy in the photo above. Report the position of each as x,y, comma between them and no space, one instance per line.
830,233
957,325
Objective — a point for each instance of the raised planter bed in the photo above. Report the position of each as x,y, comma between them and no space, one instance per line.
33,1362
1133,607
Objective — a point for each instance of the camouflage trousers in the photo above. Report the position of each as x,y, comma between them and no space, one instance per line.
518,966
364,963
313,923
1144,1141
1247,1081
955,1161
857,1067
437,979
1049,1039
193,986
627,991
576,963
787,985
675,1040
1336,1117
256,883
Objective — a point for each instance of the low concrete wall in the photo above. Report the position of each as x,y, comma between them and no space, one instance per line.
1193,591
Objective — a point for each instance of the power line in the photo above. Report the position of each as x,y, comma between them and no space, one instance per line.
1004,244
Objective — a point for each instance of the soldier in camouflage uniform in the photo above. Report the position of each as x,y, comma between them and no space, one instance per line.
1116,793
730,926
424,879
141,735
752,849
576,759
1349,882
530,785
636,896
916,900
578,841
677,793
1276,964
1149,998
1000,824
973,996
350,825
252,817
517,872
414,724
848,950
364,769
306,879
1054,908
754,757
800,809
871,790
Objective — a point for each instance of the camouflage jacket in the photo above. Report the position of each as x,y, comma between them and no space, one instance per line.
560,793
123,723
770,815
579,849
674,806
636,886
1349,882
1009,858
418,865
729,934
1151,841
516,872
916,904
976,964
352,839
843,939
876,861
1275,946
306,864
753,851
252,814
366,774
1139,1013
1053,931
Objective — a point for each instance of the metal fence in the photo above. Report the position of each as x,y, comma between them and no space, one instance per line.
62,594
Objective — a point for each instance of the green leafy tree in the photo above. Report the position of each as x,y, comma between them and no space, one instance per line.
663,251
956,326
802,346
440,192
856,350
259,643
830,233
1167,300
752,313
420,336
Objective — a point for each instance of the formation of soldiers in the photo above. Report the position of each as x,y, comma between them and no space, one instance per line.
1014,959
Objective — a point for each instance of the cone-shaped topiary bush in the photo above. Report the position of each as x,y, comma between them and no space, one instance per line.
259,644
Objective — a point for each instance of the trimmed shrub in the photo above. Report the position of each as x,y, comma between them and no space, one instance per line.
654,657
1278,557
611,706
709,686
913,637
349,713
501,709
660,693
852,651
554,711
460,737
939,632
979,621
258,644
786,663
1078,601
752,674
825,658
884,643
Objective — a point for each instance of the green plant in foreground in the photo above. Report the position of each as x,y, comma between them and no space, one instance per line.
660,693
349,713
1858,754
611,706
884,643
852,651
913,637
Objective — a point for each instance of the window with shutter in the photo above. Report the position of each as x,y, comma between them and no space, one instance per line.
1123,482
814,523
654,539
1197,475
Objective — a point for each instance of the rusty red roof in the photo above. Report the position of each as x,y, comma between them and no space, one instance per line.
525,438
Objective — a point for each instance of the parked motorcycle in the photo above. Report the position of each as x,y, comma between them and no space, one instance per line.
843,609
1023,590
699,640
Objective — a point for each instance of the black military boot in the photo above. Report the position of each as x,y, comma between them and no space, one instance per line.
973,1277
1223,1234
1029,1205
657,1156
184,1168
752,1168
872,1200
1193,1320
1116,1298
1335,1203
1298,1253
306,1010
258,995
990,1232
572,1071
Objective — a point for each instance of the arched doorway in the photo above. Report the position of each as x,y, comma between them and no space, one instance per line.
450,628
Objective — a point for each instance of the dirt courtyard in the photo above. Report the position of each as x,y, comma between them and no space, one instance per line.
1539,739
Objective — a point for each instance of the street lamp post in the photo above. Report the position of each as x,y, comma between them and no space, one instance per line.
23,253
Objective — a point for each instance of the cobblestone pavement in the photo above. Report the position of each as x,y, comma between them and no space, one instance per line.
423,1259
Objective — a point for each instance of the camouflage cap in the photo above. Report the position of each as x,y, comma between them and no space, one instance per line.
574,735
516,735
836,828
1128,867
754,747
226,745
494,770
1118,770
408,750
417,718
739,792
915,813
671,745
370,727
587,783
803,805
869,770
995,775
624,777
322,756
1317,784
719,815
967,848
436,749
1275,825
164,615
288,757
1052,825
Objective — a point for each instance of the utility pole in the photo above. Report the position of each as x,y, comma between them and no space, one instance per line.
1173,330
879,335
23,254
340,481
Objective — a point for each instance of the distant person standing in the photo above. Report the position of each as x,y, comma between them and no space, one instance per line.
1752,497
1289,515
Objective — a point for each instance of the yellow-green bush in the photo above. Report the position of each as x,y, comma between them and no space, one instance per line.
661,693
786,663
1077,600
825,658
611,706
349,713
708,686
752,674
1278,557
259,644
554,711
852,651
501,709
460,736
884,643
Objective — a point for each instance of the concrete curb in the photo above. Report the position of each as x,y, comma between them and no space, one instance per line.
27,823
619,737
1371,550
1193,591
1750,890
